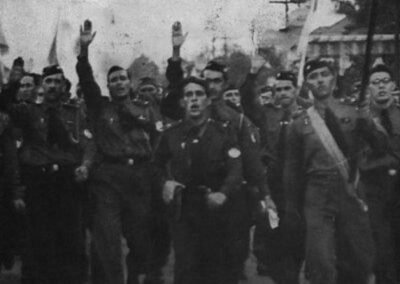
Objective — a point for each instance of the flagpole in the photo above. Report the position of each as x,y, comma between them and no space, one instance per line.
303,42
368,50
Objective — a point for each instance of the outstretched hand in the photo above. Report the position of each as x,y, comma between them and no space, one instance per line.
178,38
86,35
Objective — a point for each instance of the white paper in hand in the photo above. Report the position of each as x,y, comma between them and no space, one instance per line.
273,219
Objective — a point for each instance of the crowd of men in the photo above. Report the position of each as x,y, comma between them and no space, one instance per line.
192,169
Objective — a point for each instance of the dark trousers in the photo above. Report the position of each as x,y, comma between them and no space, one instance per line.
339,245
378,188
55,251
160,234
121,199
279,252
8,227
201,242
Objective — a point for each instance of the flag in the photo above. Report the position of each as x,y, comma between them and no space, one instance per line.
3,43
304,38
52,57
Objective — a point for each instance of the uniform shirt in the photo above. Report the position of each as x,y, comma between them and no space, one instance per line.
70,142
247,134
9,172
254,172
120,128
205,155
373,164
306,156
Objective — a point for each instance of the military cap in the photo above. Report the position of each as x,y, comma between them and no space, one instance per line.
381,68
148,81
51,70
215,66
317,63
287,76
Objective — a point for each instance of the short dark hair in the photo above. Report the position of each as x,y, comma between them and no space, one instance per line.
116,68
216,66
197,81
381,68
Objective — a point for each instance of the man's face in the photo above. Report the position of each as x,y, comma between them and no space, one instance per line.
195,100
285,92
264,95
321,82
216,83
53,86
381,87
26,88
233,96
119,84
148,92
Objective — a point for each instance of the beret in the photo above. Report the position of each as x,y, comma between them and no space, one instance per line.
317,63
215,66
51,70
381,68
287,76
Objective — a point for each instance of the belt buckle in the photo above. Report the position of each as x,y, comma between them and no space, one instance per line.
131,162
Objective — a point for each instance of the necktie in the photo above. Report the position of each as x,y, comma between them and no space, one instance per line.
385,120
334,128
56,132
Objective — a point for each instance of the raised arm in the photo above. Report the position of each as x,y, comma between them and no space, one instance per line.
89,87
170,104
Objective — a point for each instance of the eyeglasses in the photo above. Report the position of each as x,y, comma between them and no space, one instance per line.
385,81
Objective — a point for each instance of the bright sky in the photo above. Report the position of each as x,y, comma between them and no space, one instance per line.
127,28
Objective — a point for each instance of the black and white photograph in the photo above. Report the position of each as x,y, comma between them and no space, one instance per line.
199,142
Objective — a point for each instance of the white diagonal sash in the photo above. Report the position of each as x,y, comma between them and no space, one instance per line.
334,151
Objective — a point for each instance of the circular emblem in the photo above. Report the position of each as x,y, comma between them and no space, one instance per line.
87,134
234,153
159,126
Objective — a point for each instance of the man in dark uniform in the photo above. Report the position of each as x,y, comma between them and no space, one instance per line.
379,173
321,181
120,182
254,172
279,253
201,167
9,189
148,99
56,153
